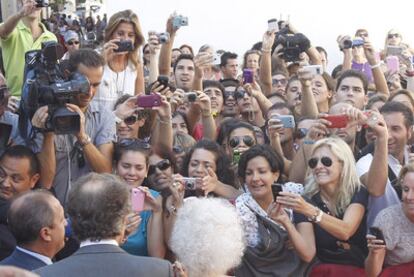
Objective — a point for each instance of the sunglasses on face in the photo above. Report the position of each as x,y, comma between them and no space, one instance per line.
130,120
283,82
178,149
228,94
126,142
161,165
390,36
239,94
363,35
73,42
313,162
235,141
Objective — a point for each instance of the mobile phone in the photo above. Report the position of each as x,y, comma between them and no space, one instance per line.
149,101
272,25
375,231
190,183
137,200
5,132
163,80
216,59
337,120
314,69
393,64
190,97
288,121
124,46
236,156
247,76
393,50
276,189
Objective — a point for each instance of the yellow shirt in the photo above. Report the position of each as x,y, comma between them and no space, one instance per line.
14,48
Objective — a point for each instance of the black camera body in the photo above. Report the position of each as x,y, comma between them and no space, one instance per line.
46,85
293,44
124,46
42,3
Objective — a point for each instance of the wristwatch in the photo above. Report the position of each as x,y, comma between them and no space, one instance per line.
317,217
85,141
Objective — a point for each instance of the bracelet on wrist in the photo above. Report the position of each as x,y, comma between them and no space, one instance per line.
84,141
308,141
206,113
266,50
167,122
375,65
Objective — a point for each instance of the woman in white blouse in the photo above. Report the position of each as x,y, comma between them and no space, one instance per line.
123,72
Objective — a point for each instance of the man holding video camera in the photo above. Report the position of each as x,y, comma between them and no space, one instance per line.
20,33
64,158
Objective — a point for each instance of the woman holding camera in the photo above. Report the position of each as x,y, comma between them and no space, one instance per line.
123,72
396,245
131,165
337,205
267,225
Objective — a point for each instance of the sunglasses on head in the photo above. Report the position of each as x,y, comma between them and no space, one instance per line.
313,162
393,36
73,42
127,142
161,165
235,141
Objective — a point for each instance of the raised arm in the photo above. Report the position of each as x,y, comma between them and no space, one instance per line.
377,74
166,49
163,133
201,61
154,47
376,178
265,72
309,108
29,6
254,90
347,62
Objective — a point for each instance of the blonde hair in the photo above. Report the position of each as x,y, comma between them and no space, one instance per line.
126,16
348,182
408,168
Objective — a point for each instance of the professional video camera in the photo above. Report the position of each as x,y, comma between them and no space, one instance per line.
293,44
46,84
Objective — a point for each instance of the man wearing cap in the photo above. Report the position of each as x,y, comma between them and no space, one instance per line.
71,43
21,32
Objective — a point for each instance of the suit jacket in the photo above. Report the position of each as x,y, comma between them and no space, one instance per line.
23,260
106,260
7,240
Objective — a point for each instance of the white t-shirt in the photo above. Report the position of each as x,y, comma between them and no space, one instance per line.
114,85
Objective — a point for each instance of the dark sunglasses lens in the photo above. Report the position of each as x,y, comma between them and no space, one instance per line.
249,141
239,94
233,142
164,164
130,120
178,149
151,169
313,162
326,161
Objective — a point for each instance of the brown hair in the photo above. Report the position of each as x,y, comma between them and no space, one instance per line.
126,16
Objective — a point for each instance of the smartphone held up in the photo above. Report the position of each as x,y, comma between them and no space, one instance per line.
137,200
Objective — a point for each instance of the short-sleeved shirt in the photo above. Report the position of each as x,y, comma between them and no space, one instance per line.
14,47
13,120
325,240
137,242
100,127
390,197
399,241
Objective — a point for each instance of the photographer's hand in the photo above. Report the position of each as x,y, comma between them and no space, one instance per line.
109,48
29,6
81,135
40,117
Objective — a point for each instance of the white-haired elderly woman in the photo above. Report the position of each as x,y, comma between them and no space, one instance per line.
207,238
336,205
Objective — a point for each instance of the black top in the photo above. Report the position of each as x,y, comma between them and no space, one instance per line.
325,240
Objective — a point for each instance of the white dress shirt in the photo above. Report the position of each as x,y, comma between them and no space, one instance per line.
38,256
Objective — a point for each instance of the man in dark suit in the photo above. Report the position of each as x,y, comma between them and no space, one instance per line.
36,219
19,172
98,207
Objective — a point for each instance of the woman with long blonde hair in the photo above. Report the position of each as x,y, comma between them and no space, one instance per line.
335,204
123,72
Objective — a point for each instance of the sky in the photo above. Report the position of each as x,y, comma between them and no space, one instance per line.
237,25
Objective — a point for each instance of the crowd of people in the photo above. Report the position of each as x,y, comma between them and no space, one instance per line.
176,162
